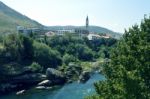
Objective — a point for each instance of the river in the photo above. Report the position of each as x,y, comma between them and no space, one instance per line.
69,91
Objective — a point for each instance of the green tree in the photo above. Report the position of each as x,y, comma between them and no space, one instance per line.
127,74
83,52
68,58
27,52
13,45
45,56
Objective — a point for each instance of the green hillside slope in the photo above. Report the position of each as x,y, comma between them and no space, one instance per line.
10,19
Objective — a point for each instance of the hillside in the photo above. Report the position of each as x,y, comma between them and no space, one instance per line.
95,29
10,19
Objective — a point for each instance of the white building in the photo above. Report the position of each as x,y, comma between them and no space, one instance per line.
62,32
93,36
50,33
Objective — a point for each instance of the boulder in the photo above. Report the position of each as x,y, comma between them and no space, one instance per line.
84,76
73,70
15,83
43,88
7,87
40,87
30,78
20,92
69,81
57,77
45,83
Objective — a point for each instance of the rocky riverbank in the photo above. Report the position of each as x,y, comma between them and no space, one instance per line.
27,79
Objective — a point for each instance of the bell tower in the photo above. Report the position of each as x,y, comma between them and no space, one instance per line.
87,22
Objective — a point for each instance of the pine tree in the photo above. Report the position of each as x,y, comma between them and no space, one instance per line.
128,72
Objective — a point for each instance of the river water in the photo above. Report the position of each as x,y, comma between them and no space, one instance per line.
69,91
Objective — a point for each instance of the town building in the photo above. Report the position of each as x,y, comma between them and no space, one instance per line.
49,34
81,32
62,32
28,31
94,36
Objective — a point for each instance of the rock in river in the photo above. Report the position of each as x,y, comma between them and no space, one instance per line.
57,77
20,92
45,83
84,76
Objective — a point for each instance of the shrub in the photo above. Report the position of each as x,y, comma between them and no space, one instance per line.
35,67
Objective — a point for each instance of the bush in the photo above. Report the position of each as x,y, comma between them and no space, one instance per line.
35,67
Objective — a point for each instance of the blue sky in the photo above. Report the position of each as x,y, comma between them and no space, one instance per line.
112,14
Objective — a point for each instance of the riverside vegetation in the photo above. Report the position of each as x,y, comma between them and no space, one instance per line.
127,74
26,61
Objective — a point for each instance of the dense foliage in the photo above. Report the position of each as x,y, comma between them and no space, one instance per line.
45,56
24,50
82,49
18,51
127,74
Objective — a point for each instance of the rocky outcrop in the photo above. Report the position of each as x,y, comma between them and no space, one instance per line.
15,83
24,79
45,83
84,76
72,70
43,87
7,87
29,78
55,76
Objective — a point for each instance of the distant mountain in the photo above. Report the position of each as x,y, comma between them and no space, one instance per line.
10,19
95,29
